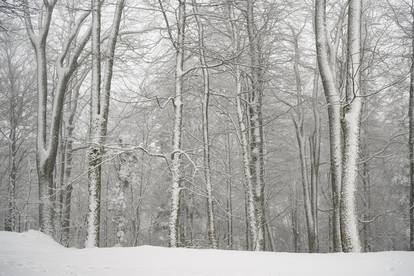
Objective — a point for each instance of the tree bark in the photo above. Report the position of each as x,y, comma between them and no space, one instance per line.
411,137
95,148
99,114
205,125
176,154
46,151
11,214
256,125
251,227
327,72
351,132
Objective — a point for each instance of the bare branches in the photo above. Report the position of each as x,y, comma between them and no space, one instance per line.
164,14
72,36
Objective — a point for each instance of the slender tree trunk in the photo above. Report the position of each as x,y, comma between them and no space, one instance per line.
298,120
411,137
99,114
176,155
351,130
314,147
327,72
251,222
246,162
95,148
205,124
10,219
295,217
366,229
229,195
256,125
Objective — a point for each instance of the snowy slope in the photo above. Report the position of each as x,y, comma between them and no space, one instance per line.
33,253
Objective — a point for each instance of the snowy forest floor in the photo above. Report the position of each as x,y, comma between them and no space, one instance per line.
33,253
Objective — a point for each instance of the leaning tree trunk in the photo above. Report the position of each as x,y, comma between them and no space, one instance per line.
327,72
351,132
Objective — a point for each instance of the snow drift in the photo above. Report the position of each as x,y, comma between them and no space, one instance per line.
33,253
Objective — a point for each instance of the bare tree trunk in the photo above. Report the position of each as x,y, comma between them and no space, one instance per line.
351,130
251,227
59,185
99,114
11,214
229,195
46,151
366,229
95,149
176,154
298,120
256,125
68,149
327,72
10,220
315,151
205,124
411,137
294,205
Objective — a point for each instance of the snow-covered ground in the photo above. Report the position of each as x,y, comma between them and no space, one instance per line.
33,253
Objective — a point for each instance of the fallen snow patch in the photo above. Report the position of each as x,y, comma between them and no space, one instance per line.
33,253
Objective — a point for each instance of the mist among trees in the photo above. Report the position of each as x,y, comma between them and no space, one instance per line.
263,125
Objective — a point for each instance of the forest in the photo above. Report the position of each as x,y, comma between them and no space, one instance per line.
257,125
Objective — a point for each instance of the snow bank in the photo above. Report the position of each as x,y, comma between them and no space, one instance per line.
33,253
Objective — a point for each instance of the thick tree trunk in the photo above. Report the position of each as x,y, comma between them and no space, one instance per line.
46,151
68,149
351,130
327,72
